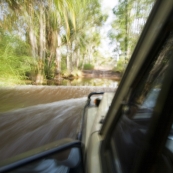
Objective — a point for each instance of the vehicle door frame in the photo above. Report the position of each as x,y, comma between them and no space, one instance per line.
154,34
44,152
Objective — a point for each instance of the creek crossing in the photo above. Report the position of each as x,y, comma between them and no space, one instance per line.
31,116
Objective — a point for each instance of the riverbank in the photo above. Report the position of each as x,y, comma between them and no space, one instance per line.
94,74
102,74
105,78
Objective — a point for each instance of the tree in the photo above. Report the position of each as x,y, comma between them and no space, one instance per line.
15,59
44,46
130,17
50,25
81,39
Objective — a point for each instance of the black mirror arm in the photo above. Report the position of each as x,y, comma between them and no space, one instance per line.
91,94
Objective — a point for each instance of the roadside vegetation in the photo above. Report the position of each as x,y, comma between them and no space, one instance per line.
51,39
130,17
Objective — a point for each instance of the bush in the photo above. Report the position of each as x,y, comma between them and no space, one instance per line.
77,73
120,66
15,62
88,67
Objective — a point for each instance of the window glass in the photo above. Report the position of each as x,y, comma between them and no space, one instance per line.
169,143
128,136
165,160
56,162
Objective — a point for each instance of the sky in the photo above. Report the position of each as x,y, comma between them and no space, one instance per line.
108,3
107,6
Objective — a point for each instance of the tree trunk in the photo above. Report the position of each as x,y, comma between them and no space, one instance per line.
69,59
42,44
42,37
58,58
32,34
84,59
78,58
33,42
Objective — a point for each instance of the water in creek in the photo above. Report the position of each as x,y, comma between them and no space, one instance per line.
85,82
31,116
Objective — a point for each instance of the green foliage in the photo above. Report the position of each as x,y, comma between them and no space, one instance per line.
15,61
88,67
77,73
130,17
63,63
49,69
48,29
120,66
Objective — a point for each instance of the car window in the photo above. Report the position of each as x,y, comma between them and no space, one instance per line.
169,143
164,160
146,93
129,134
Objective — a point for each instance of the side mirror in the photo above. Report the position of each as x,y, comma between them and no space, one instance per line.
59,156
